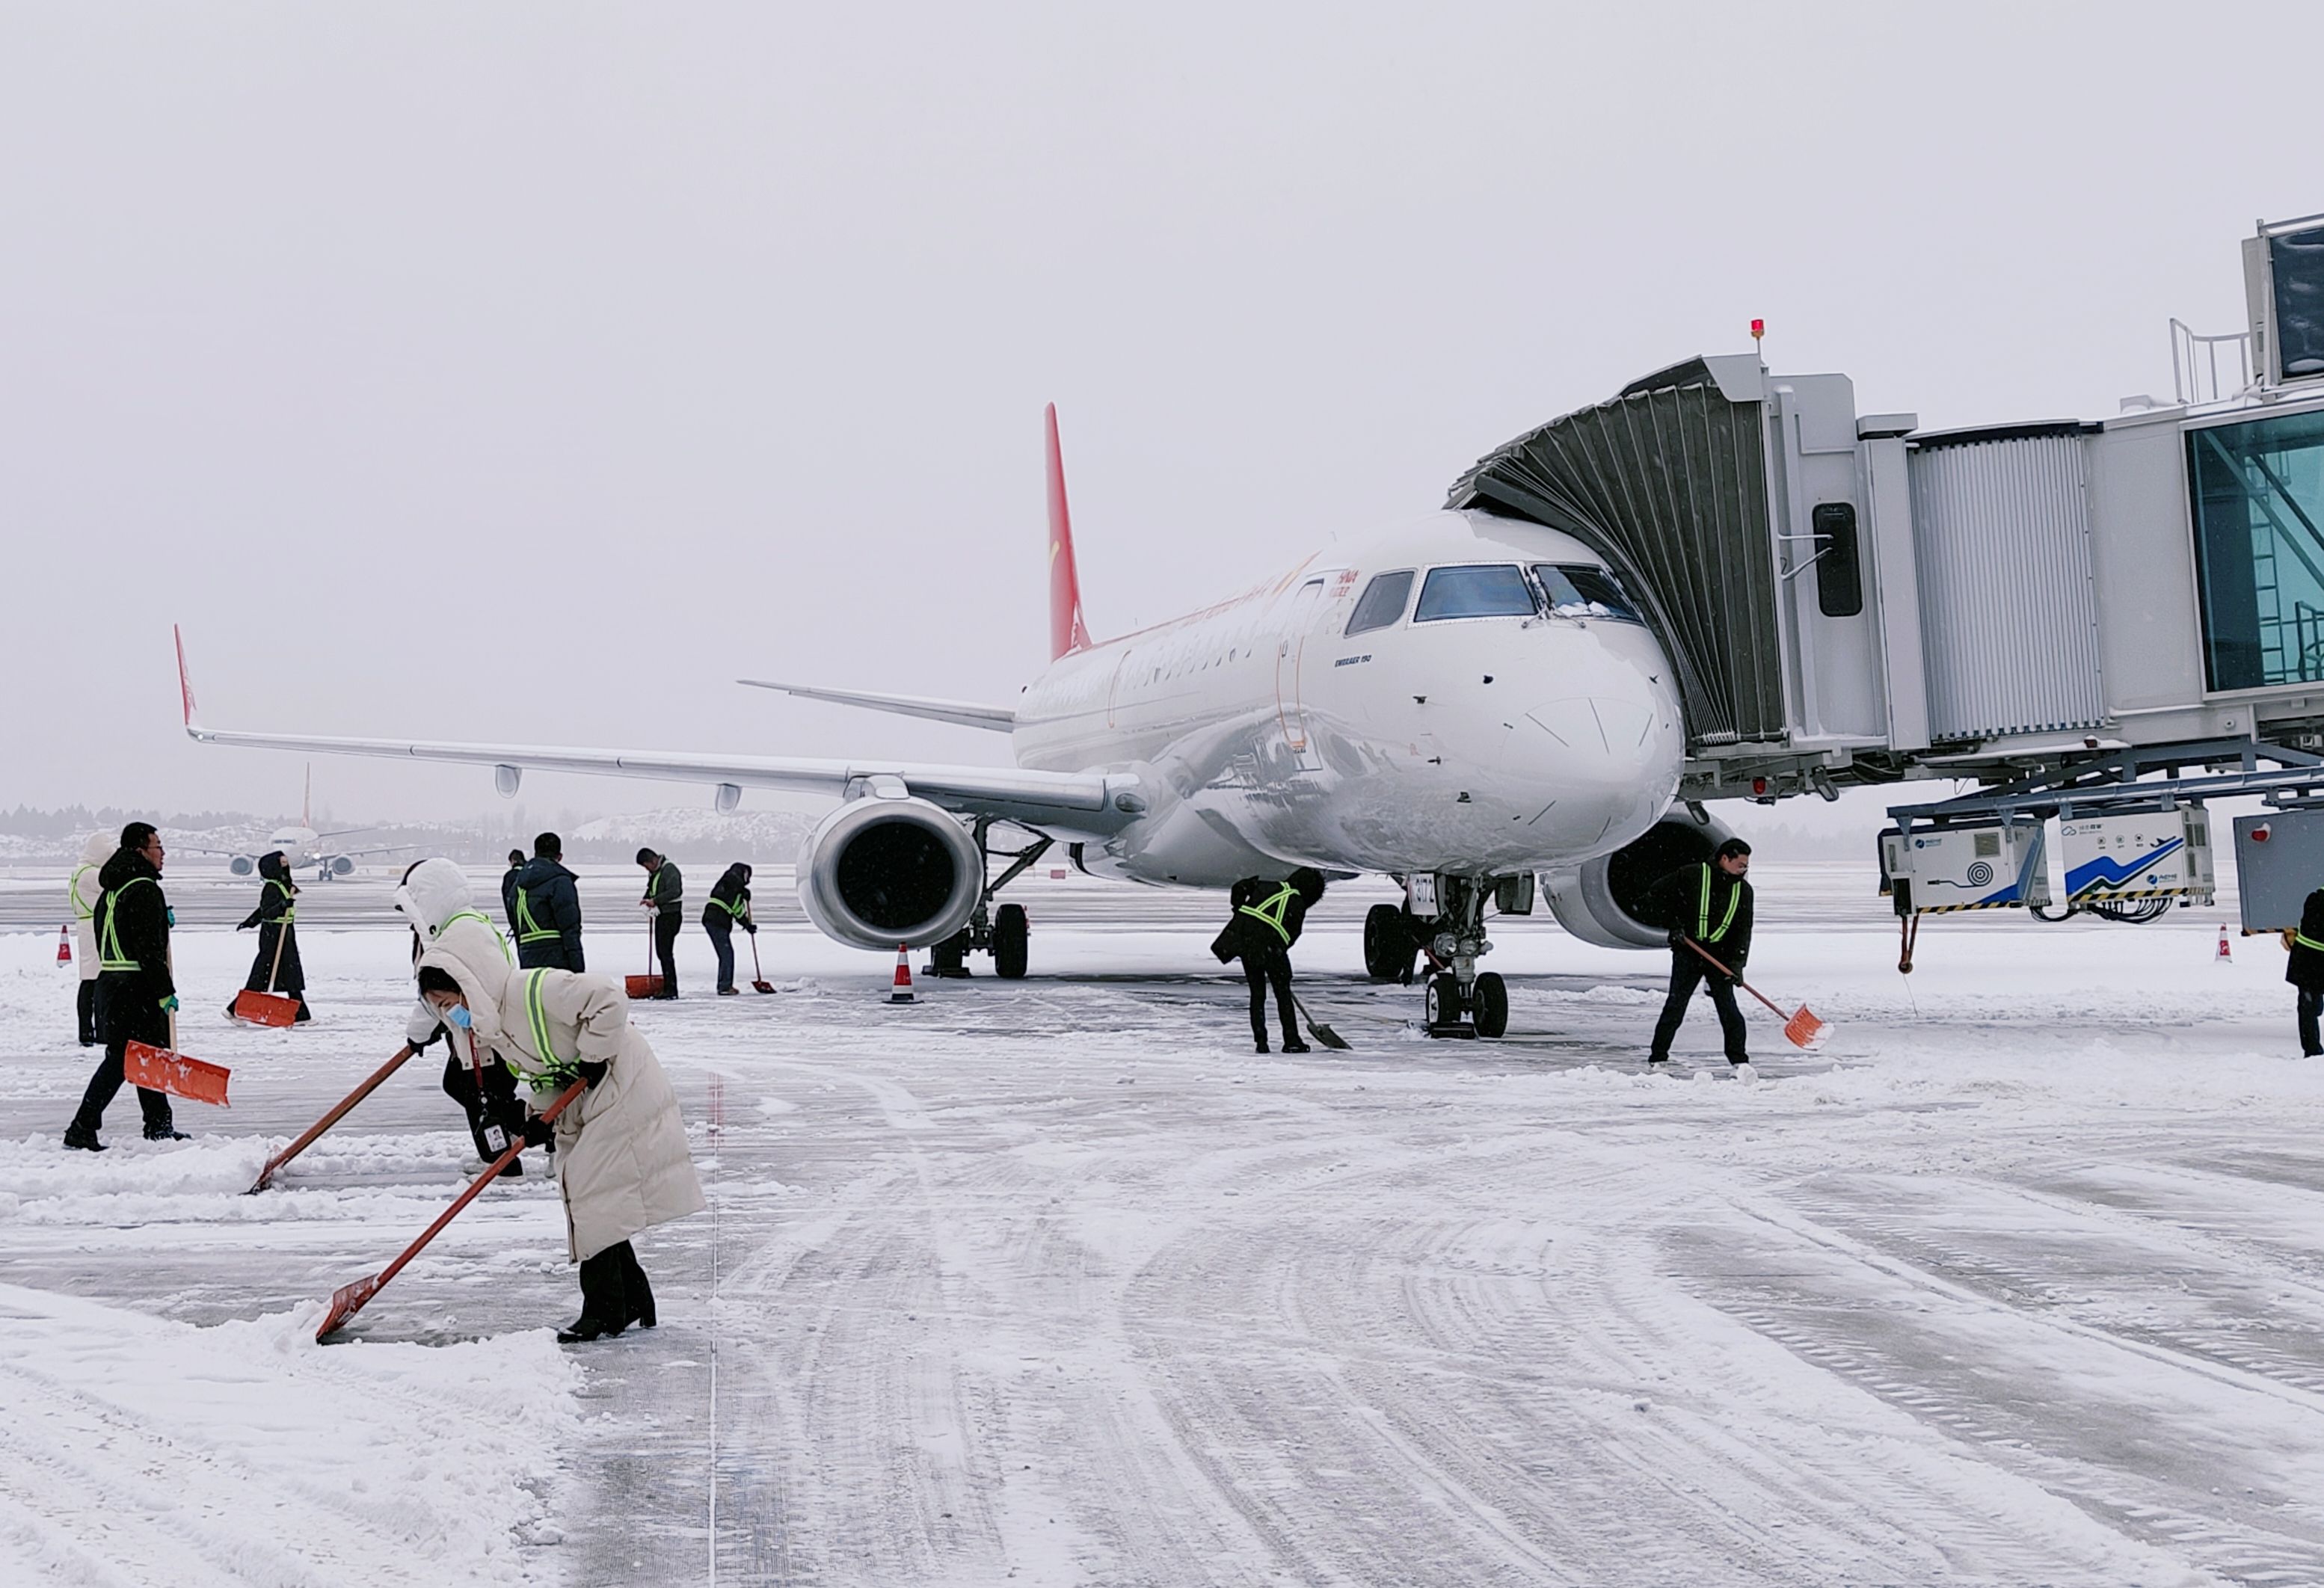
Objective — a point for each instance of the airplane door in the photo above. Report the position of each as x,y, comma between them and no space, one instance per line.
1298,618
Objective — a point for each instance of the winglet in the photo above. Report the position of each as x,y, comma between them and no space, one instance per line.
185,683
1066,632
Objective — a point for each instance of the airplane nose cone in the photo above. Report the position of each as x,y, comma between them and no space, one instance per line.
1614,760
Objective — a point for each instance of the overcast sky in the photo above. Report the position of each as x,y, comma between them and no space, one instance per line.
529,372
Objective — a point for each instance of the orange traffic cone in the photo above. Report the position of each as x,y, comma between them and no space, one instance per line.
901,993
2222,956
64,945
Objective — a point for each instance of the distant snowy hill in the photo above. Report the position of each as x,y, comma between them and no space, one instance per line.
692,834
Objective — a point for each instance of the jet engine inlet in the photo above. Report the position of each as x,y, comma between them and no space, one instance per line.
1598,903
877,872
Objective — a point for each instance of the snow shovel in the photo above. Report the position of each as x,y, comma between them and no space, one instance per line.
316,1129
1318,1029
349,1299
759,982
1801,1027
269,1008
650,985
165,1069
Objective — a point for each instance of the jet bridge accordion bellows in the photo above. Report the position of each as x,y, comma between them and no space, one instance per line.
1668,482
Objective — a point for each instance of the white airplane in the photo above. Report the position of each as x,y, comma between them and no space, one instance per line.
1465,704
303,846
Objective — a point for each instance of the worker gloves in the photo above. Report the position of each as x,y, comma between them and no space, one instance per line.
169,1004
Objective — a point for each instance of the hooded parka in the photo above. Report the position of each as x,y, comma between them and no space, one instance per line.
276,919
85,895
621,1158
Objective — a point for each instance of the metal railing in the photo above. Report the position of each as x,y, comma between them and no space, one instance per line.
2195,363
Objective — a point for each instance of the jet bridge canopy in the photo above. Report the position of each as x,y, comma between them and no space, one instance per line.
1668,482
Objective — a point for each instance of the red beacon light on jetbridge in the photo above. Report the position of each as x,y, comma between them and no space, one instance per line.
2259,834
1759,785
1758,330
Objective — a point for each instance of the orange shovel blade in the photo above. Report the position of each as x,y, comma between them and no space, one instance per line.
642,987
157,1069
345,1302
266,1009
1805,1030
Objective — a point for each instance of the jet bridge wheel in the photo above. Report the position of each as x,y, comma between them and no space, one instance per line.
1010,932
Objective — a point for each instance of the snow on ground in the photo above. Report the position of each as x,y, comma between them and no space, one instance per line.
2020,1280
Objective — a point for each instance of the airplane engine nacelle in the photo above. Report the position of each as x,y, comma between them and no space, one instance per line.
242,865
341,866
877,872
1598,903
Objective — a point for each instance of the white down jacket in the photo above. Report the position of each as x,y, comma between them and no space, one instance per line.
621,1157
440,906
85,895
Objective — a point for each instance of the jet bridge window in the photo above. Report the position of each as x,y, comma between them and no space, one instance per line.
1579,590
1485,590
1383,602
2258,500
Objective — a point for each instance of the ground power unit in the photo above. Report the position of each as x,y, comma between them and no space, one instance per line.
2143,854
1932,871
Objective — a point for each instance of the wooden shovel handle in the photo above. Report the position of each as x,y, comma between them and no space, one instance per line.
1732,976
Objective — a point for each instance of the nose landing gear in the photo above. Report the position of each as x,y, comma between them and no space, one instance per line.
1461,1002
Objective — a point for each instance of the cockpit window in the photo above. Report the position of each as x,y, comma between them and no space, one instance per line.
1487,590
1582,591
1383,602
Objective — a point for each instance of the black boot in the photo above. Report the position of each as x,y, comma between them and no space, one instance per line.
81,1139
635,1286
605,1301
1292,1044
165,1132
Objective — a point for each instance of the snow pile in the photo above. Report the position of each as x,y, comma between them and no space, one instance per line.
141,1450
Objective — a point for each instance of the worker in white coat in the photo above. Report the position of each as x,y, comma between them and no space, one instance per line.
622,1163
85,895
438,904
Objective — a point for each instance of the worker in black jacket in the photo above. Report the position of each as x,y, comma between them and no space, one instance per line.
546,917
136,996
666,900
729,906
2305,971
1267,921
1708,904
508,889
276,919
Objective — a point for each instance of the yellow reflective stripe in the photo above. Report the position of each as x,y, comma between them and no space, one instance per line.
80,912
470,915
110,957
733,907
1272,912
1703,934
2305,941
550,1064
529,931
290,910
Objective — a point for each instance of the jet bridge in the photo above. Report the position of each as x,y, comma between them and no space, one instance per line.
1851,599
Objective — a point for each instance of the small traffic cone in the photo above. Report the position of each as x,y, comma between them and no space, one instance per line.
2222,956
64,945
901,993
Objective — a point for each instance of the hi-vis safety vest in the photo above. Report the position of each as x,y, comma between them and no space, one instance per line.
81,912
555,1070
1703,932
470,915
290,910
527,930
1273,911
738,907
111,956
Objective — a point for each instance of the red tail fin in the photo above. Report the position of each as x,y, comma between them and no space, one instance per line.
1066,632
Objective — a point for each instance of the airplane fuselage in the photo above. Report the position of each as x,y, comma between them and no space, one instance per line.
1263,733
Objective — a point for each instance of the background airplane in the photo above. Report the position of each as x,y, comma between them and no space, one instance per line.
1465,704
303,846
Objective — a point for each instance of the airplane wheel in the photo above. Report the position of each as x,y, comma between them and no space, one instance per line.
1388,947
1444,1002
1010,932
1491,999
950,957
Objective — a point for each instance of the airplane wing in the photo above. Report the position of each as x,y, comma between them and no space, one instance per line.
1093,803
1000,719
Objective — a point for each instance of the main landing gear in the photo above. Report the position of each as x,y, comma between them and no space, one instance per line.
1005,931
1459,1001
